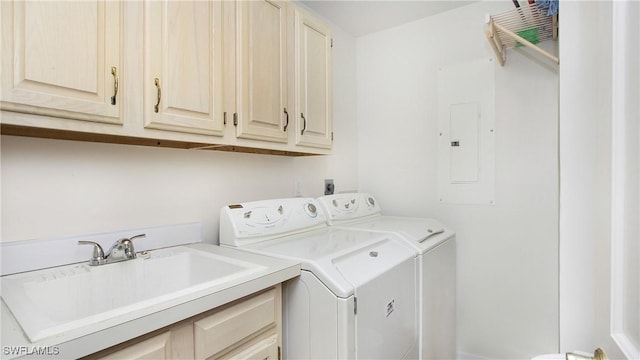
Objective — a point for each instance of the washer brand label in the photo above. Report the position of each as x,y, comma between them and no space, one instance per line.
390,307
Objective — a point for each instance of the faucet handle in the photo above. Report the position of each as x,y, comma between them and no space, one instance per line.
127,245
98,254
136,236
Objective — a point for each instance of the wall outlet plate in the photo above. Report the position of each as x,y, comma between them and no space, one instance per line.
328,187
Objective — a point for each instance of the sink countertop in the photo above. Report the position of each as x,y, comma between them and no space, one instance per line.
15,344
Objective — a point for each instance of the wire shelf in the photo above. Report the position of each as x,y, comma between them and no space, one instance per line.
523,26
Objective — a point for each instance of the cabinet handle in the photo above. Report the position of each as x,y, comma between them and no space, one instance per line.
156,107
114,72
286,124
304,124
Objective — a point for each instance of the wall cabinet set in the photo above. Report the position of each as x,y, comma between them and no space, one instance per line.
249,76
248,328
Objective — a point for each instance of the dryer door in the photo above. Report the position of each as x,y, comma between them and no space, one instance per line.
384,277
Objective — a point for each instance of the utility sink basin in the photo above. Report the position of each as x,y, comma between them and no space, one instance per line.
81,299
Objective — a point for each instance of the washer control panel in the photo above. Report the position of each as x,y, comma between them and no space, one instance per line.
262,220
351,206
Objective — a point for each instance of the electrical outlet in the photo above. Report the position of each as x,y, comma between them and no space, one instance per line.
328,187
298,188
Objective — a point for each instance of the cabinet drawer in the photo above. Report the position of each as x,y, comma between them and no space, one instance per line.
234,324
261,349
157,347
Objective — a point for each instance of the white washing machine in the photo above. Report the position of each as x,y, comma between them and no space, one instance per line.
356,296
435,246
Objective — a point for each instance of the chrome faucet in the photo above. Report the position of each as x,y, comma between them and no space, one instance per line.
121,250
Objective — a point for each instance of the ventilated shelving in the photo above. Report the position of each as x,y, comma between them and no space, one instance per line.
522,26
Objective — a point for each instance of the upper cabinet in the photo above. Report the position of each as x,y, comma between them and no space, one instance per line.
261,70
183,86
250,76
313,59
62,59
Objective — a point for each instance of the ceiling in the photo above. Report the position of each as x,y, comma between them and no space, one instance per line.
360,18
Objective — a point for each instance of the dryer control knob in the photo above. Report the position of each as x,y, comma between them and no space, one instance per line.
311,210
371,201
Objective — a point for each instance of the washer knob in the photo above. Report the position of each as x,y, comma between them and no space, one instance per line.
371,201
311,210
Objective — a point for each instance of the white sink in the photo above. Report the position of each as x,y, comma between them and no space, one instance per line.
68,298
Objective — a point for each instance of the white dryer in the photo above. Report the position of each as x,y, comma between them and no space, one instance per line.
356,296
435,247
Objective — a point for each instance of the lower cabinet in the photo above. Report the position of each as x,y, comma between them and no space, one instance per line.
248,328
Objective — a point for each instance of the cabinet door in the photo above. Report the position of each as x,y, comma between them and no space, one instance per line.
313,82
62,58
261,80
183,66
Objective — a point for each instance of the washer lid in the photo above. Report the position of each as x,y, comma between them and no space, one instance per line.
386,318
423,234
323,251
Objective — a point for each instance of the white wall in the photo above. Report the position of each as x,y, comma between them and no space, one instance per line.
507,253
55,188
599,172
585,135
